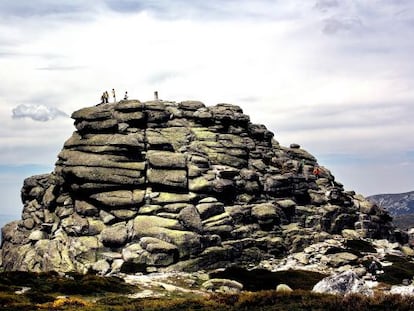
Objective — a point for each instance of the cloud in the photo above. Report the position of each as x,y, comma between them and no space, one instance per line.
37,112
334,25
353,115
162,76
27,8
324,5
61,68
163,9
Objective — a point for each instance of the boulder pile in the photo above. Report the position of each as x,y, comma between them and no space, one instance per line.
159,185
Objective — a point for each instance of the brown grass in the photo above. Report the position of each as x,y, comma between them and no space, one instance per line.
41,298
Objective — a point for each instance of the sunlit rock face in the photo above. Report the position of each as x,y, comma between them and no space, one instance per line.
147,186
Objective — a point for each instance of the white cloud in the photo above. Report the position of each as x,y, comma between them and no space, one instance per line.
37,112
333,25
324,5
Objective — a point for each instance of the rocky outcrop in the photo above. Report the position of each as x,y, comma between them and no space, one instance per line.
344,283
145,186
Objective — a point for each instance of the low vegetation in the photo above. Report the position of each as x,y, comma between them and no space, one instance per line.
70,284
261,279
400,269
261,300
53,292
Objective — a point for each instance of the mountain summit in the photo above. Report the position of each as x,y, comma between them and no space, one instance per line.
147,186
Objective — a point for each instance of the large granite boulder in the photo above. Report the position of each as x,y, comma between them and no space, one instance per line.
344,283
178,186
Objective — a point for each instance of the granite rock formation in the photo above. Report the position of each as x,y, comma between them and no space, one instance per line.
158,185
345,283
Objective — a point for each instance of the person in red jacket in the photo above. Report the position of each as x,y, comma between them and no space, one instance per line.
317,171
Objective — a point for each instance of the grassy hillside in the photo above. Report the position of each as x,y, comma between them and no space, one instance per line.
87,293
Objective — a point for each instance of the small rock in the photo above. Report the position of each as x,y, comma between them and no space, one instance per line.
37,235
407,251
22,291
147,293
101,266
385,244
302,258
29,223
224,286
350,234
116,265
265,211
115,235
341,259
106,217
283,288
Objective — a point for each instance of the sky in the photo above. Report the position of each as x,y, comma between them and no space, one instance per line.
335,76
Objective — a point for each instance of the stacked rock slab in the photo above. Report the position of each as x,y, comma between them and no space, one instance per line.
155,185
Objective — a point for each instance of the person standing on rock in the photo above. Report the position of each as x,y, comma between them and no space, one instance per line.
317,171
126,96
106,97
301,165
102,99
113,95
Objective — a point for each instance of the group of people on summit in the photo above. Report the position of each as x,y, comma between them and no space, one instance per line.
105,97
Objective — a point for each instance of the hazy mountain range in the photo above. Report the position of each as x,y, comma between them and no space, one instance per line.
396,204
399,205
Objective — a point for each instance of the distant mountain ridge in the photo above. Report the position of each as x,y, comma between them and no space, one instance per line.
396,204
